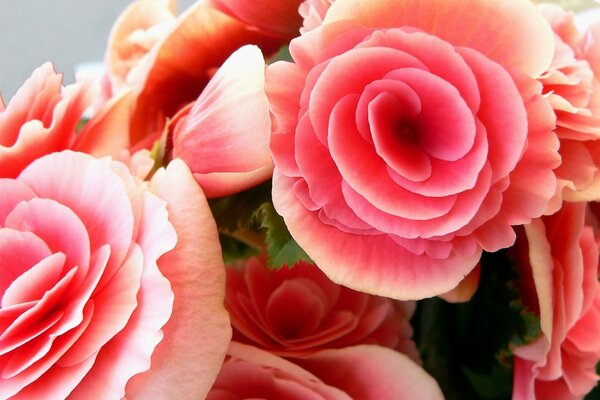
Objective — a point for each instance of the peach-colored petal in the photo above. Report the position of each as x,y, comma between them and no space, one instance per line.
134,33
360,372
107,133
249,372
202,40
40,119
227,129
186,362
512,32
466,288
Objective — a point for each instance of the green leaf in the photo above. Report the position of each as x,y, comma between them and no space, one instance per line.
486,384
282,249
239,211
282,55
467,347
234,250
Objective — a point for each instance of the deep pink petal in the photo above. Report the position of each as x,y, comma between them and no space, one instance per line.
280,18
58,227
367,263
91,191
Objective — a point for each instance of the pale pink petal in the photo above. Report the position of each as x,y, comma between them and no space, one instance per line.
227,129
220,184
186,362
33,283
57,225
129,352
91,191
466,288
372,373
13,192
19,251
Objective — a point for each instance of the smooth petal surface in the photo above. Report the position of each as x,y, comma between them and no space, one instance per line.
227,129
188,359
358,371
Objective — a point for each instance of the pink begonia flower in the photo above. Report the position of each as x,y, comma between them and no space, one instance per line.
365,372
224,135
558,260
294,312
93,292
167,60
404,146
277,18
573,88
40,119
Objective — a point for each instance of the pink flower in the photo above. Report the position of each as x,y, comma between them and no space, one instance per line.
573,88
40,119
404,146
295,312
224,135
363,372
90,283
559,263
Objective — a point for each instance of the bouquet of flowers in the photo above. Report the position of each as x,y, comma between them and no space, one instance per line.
318,199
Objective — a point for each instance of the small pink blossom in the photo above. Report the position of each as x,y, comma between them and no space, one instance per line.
295,312
558,259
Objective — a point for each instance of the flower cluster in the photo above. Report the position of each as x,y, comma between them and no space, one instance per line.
269,196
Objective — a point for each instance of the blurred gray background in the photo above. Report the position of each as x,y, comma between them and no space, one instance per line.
66,32
69,32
